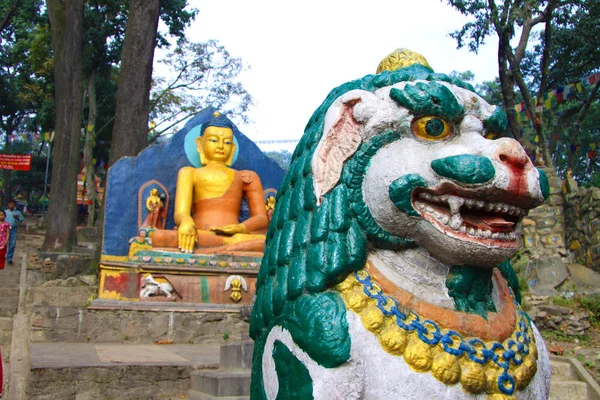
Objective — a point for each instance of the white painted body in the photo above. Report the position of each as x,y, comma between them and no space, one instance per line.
373,374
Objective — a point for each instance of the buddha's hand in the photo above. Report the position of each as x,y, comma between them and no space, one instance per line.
229,229
186,235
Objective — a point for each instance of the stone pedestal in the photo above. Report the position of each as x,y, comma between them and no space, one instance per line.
189,278
231,381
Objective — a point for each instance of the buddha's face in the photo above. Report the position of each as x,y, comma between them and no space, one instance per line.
216,144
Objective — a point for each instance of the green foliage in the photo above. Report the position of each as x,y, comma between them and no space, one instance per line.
589,303
465,76
283,158
592,304
519,263
206,75
491,92
562,301
16,74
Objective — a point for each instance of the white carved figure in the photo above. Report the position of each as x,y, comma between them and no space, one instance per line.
151,287
385,272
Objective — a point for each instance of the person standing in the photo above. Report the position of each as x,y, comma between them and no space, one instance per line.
13,217
4,235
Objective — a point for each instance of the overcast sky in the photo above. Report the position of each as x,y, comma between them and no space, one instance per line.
298,51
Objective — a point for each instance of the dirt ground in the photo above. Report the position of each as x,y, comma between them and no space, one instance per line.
586,348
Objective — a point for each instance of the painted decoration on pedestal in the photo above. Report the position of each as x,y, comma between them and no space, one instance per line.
385,273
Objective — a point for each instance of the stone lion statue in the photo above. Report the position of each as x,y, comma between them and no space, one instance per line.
385,274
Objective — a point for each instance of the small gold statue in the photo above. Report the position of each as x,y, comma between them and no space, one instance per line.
270,206
155,206
208,199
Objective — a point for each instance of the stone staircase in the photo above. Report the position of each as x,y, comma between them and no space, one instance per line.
571,381
9,303
9,295
231,381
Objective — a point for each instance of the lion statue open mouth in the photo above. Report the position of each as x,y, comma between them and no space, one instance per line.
385,272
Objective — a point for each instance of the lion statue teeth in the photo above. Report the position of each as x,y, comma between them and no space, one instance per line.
385,273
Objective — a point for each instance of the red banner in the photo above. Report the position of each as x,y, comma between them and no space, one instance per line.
17,162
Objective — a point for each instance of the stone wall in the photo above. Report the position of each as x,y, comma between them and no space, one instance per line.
544,250
59,313
582,213
544,228
146,382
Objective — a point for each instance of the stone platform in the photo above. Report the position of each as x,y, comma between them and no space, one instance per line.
115,371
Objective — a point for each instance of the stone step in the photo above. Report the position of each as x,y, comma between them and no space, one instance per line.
5,339
72,321
237,355
9,301
221,383
114,371
9,292
10,270
195,395
148,382
562,371
6,324
568,390
10,281
8,310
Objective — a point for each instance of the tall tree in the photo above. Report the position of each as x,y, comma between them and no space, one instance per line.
514,23
130,129
503,18
66,21
16,32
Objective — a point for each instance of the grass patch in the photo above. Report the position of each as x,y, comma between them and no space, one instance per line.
592,304
589,303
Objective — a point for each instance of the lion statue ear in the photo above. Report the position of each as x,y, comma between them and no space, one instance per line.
342,135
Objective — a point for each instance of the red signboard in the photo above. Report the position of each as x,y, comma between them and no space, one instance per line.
17,162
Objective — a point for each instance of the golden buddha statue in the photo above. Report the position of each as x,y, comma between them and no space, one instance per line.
155,207
208,199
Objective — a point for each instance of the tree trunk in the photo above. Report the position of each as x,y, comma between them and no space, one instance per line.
531,105
130,130
7,174
582,114
88,147
508,88
66,20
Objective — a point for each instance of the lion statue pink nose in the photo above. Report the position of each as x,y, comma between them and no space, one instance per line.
511,153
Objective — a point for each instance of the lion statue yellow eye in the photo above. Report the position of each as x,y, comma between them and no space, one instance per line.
431,128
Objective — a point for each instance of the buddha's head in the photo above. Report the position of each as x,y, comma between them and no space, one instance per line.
215,142
154,192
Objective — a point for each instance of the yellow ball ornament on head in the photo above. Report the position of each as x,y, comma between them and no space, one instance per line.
402,58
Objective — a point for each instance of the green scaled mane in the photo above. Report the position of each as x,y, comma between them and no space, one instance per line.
310,248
